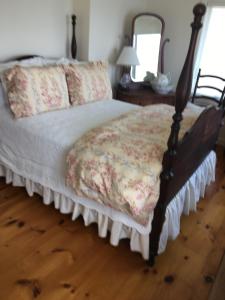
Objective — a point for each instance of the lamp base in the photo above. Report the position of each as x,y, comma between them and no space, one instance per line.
125,80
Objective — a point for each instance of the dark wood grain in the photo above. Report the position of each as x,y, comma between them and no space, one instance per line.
21,57
74,42
143,96
199,141
171,155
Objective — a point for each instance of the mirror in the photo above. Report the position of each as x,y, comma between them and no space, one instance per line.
147,36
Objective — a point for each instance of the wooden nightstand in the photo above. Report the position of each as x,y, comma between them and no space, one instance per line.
142,95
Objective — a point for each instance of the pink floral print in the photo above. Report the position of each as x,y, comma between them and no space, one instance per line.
88,82
119,163
36,89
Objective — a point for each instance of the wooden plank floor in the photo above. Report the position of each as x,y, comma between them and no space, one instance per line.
218,290
44,255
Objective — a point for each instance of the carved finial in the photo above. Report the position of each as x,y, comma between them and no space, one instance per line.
74,43
182,92
199,11
74,19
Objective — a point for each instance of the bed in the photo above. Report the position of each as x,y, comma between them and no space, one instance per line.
34,157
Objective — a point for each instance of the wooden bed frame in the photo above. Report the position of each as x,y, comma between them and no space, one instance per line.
183,157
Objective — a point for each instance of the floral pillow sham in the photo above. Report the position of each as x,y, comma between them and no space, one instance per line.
88,82
35,90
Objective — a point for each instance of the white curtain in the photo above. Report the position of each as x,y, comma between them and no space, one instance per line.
211,51
201,42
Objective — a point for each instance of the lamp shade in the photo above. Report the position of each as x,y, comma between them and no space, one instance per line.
128,57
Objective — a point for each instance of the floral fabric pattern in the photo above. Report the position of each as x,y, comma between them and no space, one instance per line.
119,163
88,82
33,90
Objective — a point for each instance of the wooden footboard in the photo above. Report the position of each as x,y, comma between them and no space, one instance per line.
193,149
182,158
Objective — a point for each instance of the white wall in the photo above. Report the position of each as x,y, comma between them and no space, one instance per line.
178,17
101,27
110,21
82,11
104,23
34,27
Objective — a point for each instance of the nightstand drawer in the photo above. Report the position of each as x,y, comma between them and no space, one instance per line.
132,99
143,96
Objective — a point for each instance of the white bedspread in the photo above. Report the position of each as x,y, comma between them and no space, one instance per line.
33,154
37,146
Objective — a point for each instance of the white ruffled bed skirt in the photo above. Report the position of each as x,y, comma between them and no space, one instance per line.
184,202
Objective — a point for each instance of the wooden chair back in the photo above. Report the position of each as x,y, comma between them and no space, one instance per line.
198,86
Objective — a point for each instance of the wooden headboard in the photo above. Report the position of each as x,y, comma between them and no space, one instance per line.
73,46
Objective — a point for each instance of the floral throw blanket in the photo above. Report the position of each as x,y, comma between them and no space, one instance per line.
119,163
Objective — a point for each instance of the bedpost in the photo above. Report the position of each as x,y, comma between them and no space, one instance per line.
183,92
222,99
196,86
184,85
74,42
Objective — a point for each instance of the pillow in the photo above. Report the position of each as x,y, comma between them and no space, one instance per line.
59,61
35,61
88,82
36,89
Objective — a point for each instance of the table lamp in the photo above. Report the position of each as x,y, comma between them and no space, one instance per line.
128,57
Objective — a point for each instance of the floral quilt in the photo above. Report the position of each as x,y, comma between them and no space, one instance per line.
119,163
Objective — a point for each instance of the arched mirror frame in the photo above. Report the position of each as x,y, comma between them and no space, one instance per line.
162,41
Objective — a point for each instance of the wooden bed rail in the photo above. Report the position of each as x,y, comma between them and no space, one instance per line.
170,156
194,147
